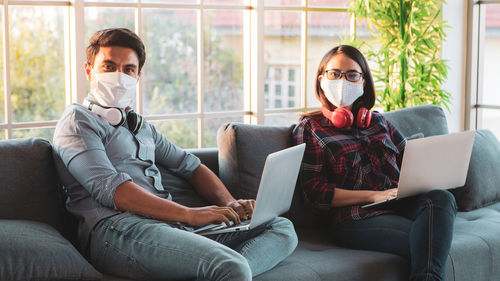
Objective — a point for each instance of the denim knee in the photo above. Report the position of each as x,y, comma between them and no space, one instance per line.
442,199
285,229
227,264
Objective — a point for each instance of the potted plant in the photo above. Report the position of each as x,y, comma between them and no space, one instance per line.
408,35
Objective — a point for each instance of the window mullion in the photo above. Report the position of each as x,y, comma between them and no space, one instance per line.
78,84
304,42
257,64
201,73
6,70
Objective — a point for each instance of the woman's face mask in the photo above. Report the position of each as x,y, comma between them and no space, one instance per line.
113,89
341,92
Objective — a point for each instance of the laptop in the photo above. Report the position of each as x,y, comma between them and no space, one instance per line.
437,162
275,192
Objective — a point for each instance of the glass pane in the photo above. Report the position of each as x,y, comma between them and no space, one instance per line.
281,119
2,134
172,1
212,125
282,57
46,133
282,2
491,56
112,1
169,75
37,62
325,31
223,60
490,119
183,132
97,18
2,90
328,3
226,2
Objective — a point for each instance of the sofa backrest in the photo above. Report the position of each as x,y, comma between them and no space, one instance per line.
243,149
30,188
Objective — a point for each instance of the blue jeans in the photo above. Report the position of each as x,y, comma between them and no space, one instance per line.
135,247
421,231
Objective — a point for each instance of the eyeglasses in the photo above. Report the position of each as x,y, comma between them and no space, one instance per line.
351,75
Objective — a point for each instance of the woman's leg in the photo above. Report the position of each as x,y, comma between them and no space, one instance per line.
423,235
263,247
431,234
385,233
134,247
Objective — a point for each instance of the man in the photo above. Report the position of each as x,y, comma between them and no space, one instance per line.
129,226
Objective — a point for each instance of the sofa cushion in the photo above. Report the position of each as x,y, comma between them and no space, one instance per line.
429,120
36,251
482,186
30,189
243,149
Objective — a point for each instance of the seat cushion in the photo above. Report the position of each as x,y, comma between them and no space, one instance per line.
36,251
482,186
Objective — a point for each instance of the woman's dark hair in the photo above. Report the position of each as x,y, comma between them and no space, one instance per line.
121,37
367,100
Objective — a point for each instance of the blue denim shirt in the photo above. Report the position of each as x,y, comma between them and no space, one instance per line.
95,158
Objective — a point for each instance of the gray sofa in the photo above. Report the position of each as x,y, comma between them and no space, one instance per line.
37,235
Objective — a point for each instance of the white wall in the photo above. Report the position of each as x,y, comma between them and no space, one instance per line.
454,51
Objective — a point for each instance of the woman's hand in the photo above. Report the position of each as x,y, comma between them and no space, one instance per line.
384,195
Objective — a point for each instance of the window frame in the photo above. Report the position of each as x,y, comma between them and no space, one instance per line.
476,22
254,110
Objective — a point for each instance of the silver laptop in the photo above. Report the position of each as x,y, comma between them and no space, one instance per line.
275,193
437,162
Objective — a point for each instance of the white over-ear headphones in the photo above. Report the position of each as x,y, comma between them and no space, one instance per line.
116,116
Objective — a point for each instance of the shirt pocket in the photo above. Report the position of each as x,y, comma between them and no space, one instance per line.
146,149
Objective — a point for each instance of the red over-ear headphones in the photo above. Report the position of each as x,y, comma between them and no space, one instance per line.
342,117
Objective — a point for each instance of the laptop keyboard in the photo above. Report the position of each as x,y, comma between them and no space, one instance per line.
212,227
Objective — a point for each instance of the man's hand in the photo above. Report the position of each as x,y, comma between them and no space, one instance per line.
212,214
243,207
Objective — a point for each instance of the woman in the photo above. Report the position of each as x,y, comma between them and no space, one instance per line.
353,157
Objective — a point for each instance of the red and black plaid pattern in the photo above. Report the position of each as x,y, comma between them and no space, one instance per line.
353,159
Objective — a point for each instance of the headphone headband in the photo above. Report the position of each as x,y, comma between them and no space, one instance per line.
116,116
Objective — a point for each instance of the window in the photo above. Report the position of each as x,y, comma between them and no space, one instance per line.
484,100
202,67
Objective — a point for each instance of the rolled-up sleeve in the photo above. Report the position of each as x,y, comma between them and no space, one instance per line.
174,158
77,140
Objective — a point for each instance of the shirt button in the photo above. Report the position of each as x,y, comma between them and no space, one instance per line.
112,227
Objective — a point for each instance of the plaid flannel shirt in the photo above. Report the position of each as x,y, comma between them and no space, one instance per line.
353,159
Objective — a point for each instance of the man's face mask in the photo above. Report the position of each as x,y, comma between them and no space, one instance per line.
113,89
341,92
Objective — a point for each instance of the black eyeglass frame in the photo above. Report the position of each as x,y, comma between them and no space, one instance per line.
343,74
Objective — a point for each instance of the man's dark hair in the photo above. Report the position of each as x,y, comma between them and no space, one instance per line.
121,37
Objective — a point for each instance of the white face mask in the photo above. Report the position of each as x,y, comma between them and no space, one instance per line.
113,89
341,92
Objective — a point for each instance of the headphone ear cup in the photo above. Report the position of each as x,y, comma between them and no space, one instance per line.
364,118
115,116
134,121
342,117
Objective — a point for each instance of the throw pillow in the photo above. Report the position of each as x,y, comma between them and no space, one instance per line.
482,184
36,251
